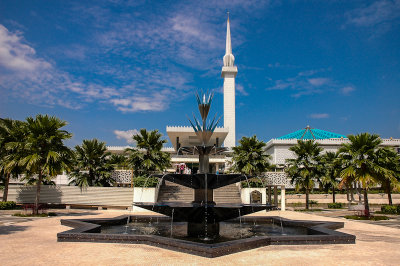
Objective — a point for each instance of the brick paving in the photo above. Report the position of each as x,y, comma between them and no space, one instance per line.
34,242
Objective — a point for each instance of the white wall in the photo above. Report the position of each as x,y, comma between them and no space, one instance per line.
245,194
146,195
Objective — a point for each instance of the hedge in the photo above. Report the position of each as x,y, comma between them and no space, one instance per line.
7,205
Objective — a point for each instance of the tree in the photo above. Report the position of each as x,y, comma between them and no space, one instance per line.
11,132
360,164
250,157
305,169
388,159
331,172
118,161
43,150
91,164
147,157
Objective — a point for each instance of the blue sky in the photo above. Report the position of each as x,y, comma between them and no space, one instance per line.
112,67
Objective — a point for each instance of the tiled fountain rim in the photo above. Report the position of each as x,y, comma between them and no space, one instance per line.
88,230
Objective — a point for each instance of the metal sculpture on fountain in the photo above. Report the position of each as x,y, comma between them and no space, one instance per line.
204,133
203,214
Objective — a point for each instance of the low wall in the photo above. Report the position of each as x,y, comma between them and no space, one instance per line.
92,196
327,198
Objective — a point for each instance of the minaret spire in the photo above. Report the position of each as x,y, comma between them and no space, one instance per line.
228,49
229,59
229,71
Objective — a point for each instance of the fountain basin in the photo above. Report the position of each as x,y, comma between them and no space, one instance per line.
89,230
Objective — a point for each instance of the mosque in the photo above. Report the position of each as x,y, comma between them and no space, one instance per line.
278,148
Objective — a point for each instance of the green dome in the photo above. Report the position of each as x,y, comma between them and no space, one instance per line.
312,133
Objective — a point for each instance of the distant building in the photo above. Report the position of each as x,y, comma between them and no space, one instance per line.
279,148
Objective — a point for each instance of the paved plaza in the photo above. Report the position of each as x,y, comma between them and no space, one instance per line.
33,241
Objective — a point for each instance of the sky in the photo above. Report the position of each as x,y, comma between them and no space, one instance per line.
110,68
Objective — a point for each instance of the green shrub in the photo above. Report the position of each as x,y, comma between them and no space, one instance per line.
390,209
7,205
144,181
336,205
313,202
30,215
252,183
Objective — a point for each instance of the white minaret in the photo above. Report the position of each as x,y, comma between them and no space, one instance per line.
229,71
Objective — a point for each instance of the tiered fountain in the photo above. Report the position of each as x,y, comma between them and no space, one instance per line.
203,227
203,215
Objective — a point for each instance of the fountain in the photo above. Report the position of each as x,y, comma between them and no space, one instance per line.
203,227
203,215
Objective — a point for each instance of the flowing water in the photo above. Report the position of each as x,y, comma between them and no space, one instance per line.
229,230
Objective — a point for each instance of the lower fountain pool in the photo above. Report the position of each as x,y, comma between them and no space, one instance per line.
229,230
235,235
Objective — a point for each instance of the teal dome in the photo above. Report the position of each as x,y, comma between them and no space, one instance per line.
312,133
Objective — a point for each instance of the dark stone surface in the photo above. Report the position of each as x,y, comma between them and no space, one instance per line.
86,230
198,181
196,212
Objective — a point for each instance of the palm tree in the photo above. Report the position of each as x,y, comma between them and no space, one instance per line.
360,163
11,131
118,161
331,172
305,169
92,166
388,159
250,157
44,152
147,156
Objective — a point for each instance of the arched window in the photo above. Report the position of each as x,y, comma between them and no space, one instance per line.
255,197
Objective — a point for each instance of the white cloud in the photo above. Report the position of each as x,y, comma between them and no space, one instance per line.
126,135
346,90
319,116
318,81
309,82
16,56
375,13
241,89
155,102
24,75
302,83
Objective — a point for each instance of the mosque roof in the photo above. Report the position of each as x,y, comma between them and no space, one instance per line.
312,133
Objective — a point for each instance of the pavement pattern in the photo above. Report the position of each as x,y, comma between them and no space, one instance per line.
34,242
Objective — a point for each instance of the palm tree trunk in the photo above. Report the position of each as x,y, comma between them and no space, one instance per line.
91,177
6,182
307,198
366,204
389,192
36,208
333,195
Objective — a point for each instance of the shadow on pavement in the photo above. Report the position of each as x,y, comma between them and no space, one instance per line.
71,213
10,229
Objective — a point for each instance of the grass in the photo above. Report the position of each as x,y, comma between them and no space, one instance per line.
370,218
35,215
